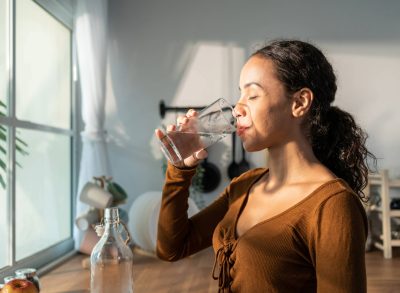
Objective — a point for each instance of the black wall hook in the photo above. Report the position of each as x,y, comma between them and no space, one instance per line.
164,109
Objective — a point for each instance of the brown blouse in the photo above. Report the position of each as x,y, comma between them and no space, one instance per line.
315,246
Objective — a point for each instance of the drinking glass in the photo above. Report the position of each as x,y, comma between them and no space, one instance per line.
212,123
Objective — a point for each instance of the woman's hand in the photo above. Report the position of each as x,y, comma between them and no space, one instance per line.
185,123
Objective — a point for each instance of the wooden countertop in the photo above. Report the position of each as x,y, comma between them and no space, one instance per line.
192,274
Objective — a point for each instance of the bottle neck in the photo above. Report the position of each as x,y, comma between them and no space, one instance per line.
111,219
111,225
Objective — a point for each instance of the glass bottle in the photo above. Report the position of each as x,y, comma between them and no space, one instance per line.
111,259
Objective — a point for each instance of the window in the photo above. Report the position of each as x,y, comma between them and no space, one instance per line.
37,133
4,57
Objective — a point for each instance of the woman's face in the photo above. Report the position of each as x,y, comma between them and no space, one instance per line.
266,118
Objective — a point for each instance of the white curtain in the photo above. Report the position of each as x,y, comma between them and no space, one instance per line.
91,42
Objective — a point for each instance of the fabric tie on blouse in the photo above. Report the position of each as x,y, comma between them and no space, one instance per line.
225,263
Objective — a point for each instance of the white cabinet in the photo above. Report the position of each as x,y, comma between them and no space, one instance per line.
385,184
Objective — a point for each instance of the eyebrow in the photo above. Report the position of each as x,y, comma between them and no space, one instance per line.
251,83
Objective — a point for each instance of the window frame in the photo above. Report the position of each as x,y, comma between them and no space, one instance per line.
48,258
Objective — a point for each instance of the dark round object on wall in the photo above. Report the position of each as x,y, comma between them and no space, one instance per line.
211,176
395,204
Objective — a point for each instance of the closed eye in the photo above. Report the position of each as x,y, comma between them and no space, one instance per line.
252,97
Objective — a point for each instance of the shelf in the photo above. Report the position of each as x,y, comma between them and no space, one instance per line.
376,180
394,183
382,180
392,213
393,242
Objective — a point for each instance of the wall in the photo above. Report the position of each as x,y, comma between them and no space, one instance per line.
190,52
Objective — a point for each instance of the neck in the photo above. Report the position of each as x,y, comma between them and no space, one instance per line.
290,163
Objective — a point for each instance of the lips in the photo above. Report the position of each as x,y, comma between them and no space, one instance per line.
241,130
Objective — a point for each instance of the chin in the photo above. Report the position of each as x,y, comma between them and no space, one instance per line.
250,147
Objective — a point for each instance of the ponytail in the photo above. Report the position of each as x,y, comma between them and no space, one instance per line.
339,143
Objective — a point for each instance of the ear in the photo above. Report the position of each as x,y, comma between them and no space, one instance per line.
302,101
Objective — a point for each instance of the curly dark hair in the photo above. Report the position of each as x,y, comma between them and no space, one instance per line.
337,141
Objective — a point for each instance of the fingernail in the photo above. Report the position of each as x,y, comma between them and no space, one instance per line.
201,155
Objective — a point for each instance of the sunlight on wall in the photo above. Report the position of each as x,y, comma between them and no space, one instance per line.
212,73
368,88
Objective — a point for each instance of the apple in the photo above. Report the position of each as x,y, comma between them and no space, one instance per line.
19,286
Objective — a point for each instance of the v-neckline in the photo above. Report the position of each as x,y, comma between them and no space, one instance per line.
245,199
243,205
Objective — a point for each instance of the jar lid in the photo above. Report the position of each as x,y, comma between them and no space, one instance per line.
27,272
9,278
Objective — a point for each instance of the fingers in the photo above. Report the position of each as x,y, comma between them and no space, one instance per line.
192,113
182,120
188,121
201,155
159,133
195,158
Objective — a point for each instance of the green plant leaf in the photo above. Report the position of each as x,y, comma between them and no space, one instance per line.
2,182
117,191
3,165
22,151
3,150
22,142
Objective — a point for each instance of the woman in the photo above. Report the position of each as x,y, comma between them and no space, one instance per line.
298,226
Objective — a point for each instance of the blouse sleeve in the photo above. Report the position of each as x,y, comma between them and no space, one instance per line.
339,237
178,236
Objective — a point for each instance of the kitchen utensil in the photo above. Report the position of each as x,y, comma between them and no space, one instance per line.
211,176
244,165
233,168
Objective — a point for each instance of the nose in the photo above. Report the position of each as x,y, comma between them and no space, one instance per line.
241,110
243,115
